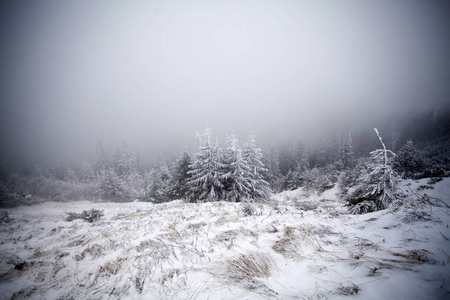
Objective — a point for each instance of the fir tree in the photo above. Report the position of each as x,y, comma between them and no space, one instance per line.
252,156
237,174
125,161
409,162
273,175
111,185
180,176
377,189
156,186
206,171
345,157
102,162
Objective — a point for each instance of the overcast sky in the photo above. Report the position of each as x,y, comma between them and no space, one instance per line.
155,72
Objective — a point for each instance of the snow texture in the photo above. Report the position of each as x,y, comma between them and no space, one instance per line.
295,246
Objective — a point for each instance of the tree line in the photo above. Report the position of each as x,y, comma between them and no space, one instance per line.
238,172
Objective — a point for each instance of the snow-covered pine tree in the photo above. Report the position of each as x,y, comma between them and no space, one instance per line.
409,161
377,189
102,162
345,156
111,185
156,189
180,176
125,161
236,172
206,171
252,155
273,175
164,178
86,173
294,179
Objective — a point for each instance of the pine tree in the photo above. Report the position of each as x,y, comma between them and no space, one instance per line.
102,162
409,161
236,177
111,185
206,171
85,172
180,176
252,156
273,175
345,156
377,189
295,178
125,161
156,189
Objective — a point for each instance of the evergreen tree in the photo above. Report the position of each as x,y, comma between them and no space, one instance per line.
163,178
273,175
295,178
102,162
180,176
377,189
86,173
111,185
252,156
345,156
236,172
409,162
156,186
125,161
206,171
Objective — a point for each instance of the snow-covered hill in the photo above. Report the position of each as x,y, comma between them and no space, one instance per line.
297,246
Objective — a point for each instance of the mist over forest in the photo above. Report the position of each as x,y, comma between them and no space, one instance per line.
260,149
156,72
141,82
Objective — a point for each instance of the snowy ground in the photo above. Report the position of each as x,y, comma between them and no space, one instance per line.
298,246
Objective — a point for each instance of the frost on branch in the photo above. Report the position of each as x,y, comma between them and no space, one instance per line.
376,189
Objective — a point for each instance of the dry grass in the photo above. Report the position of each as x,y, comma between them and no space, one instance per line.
306,205
249,266
291,243
111,267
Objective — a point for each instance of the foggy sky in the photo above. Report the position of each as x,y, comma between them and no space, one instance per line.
155,72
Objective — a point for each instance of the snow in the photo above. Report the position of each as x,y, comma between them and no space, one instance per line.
300,245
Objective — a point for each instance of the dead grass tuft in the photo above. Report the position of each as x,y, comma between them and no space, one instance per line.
306,205
348,290
287,247
248,266
112,267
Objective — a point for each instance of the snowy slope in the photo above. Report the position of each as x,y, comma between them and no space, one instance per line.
298,246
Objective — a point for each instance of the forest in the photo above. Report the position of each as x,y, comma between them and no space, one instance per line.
355,163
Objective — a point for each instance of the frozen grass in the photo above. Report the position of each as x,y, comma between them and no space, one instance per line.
297,246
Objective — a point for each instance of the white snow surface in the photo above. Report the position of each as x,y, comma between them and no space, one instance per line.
296,246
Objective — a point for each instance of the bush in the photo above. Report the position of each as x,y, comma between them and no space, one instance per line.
88,215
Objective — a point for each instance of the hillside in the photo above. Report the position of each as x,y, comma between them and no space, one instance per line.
295,246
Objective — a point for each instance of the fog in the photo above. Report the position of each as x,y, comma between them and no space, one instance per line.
155,72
